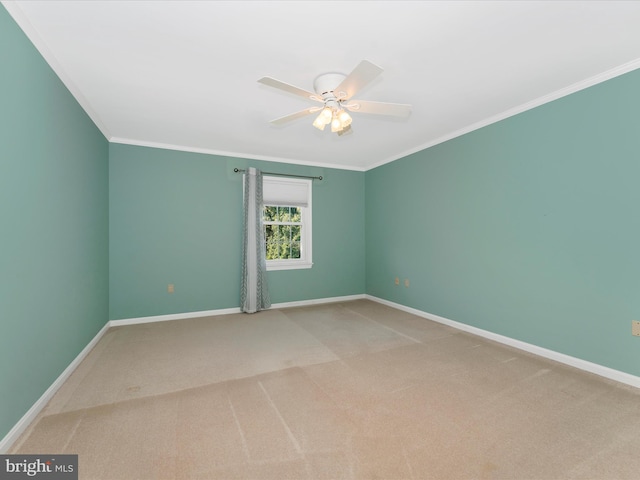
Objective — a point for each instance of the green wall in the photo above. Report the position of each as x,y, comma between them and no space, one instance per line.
528,228
53,229
176,218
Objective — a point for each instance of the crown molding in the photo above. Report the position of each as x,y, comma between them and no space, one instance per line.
563,92
32,34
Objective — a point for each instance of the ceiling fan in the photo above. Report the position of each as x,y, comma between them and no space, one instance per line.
335,92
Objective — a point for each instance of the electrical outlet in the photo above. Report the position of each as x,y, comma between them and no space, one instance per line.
635,328
406,282
170,288
397,281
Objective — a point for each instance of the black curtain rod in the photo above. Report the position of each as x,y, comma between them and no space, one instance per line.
238,170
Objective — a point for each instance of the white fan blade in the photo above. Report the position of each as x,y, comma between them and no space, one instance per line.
272,82
295,116
361,76
379,108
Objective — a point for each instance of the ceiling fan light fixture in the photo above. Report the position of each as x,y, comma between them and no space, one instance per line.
344,117
323,119
319,122
345,131
327,115
336,125
335,91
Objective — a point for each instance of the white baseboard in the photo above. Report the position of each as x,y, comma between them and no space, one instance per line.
590,367
17,430
228,311
175,316
318,301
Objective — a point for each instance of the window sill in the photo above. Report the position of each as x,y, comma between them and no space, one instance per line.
284,265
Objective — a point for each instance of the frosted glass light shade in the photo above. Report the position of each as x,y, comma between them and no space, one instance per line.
319,122
344,117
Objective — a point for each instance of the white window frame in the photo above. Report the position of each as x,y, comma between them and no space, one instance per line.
282,183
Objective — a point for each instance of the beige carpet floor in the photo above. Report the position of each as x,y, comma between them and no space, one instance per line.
352,390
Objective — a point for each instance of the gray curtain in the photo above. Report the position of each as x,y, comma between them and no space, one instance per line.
255,293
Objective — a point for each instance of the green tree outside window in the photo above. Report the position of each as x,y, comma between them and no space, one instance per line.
283,226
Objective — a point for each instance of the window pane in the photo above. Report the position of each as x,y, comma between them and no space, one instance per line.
270,213
295,233
295,250
285,231
268,233
282,214
268,236
272,251
282,232
285,216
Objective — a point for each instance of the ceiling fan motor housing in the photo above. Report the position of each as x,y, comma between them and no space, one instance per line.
326,83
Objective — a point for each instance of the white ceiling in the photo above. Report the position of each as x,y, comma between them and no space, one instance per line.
183,75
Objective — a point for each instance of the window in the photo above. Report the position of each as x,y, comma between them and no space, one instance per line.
287,222
283,231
